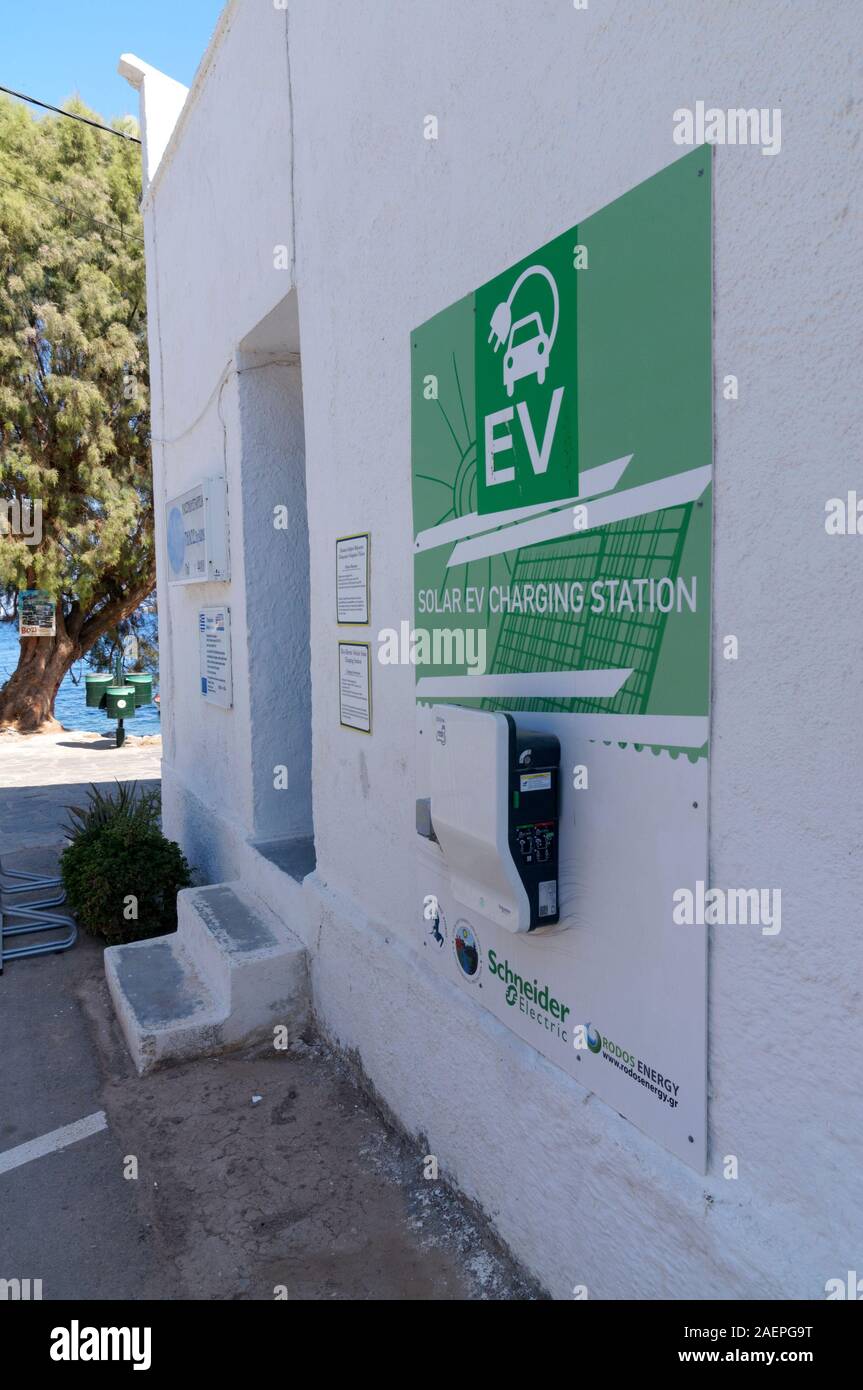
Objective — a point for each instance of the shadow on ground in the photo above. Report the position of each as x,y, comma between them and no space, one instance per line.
227,1178
95,743
33,816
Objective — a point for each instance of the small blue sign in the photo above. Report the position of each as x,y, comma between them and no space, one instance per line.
176,540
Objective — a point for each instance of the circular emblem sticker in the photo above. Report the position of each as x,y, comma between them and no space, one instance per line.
466,949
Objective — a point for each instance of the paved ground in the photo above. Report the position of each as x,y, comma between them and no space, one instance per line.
305,1188
41,774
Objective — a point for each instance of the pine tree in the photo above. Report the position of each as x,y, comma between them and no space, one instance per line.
74,389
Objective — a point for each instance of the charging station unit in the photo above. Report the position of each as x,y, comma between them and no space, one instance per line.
498,829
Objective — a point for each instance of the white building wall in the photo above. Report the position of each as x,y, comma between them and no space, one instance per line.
216,209
545,113
276,547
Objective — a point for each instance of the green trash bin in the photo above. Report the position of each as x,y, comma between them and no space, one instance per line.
96,687
142,683
121,701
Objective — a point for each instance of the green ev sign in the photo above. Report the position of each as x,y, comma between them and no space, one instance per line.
526,380
561,439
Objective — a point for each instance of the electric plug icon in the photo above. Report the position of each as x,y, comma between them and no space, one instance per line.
501,322
530,355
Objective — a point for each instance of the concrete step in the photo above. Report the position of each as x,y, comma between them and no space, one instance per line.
229,975
246,955
165,1009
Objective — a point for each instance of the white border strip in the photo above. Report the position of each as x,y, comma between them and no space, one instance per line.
50,1143
635,501
549,685
670,730
591,484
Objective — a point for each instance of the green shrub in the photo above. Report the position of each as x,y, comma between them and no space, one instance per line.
118,854
127,806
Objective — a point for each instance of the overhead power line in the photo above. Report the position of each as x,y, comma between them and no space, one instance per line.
71,115
67,207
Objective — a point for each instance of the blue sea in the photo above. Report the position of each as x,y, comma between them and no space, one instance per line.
69,706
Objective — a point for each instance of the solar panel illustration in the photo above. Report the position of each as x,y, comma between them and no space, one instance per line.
642,547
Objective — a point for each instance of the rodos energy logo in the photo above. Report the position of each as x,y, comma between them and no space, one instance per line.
659,1085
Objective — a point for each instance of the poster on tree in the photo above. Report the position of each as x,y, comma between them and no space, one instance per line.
36,614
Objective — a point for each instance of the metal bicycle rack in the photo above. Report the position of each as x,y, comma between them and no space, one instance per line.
33,917
22,882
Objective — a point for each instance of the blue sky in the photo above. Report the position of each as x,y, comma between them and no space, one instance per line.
53,48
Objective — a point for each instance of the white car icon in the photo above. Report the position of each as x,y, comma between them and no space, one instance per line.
527,357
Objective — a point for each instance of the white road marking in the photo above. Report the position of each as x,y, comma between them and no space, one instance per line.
50,1143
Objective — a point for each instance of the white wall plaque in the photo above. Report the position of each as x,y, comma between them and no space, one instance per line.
196,534
355,686
214,636
352,579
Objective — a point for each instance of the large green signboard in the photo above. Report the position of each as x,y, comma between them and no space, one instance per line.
561,436
562,457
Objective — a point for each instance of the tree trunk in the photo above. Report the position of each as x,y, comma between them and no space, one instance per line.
27,698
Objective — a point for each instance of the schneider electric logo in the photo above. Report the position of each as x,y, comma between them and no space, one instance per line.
534,1000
